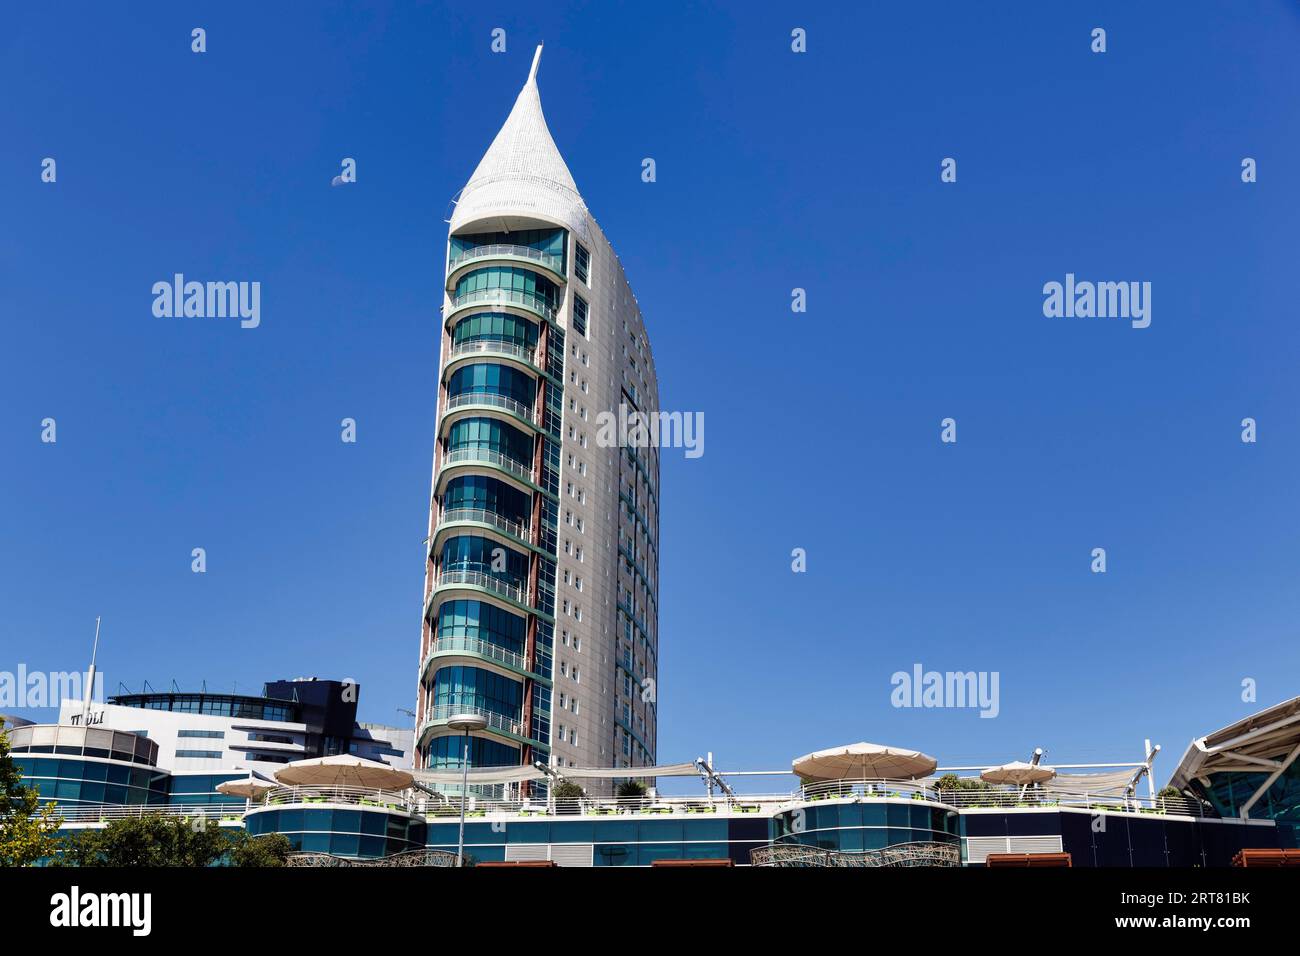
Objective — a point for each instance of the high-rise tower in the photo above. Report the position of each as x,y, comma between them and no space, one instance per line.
541,588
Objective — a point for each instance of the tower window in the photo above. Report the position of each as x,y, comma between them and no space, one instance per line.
581,262
579,314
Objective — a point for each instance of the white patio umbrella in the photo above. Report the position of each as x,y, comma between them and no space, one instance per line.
343,770
1019,773
252,787
864,761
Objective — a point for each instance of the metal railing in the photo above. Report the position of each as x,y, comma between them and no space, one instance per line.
1047,797
488,457
353,796
509,725
107,812
499,249
527,300
493,400
1005,797
475,646
496,347
481,515
477,578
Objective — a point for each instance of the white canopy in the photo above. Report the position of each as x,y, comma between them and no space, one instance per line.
864,761
490,775
1109,783
343,770
252,787
1018,772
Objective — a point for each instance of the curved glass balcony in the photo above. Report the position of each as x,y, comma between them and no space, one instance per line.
479,648
487,456
516,529
479,579
491,400
440,713
496,347
511,297
508,251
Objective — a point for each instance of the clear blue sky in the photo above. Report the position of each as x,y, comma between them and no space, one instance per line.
775,170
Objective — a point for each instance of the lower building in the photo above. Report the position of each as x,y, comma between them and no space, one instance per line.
1224,805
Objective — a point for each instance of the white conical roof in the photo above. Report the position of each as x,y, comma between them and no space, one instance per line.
522,174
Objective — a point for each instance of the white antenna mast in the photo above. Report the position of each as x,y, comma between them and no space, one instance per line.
90,676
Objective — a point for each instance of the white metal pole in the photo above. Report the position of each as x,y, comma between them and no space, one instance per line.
464,789
90,677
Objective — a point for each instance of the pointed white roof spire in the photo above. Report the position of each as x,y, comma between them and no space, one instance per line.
537,58
522,173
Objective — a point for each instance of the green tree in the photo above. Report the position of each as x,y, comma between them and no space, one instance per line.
26,828
157,840
148,840
567,794
271,849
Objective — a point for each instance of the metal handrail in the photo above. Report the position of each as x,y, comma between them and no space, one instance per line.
357,796
490,457
105,812
516,528
527,300
1004,797
496,347
497,249
462,399
479,579
484,648
494,720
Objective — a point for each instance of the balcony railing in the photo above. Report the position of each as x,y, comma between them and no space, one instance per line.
491,399
498,250
107,812
526,300
358,796
495,721
477,578
517,529
482,648
487,456
496,347
1010,797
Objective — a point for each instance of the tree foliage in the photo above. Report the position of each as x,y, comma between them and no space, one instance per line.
155,840
631,788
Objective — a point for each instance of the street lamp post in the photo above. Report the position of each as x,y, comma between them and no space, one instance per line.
464,723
